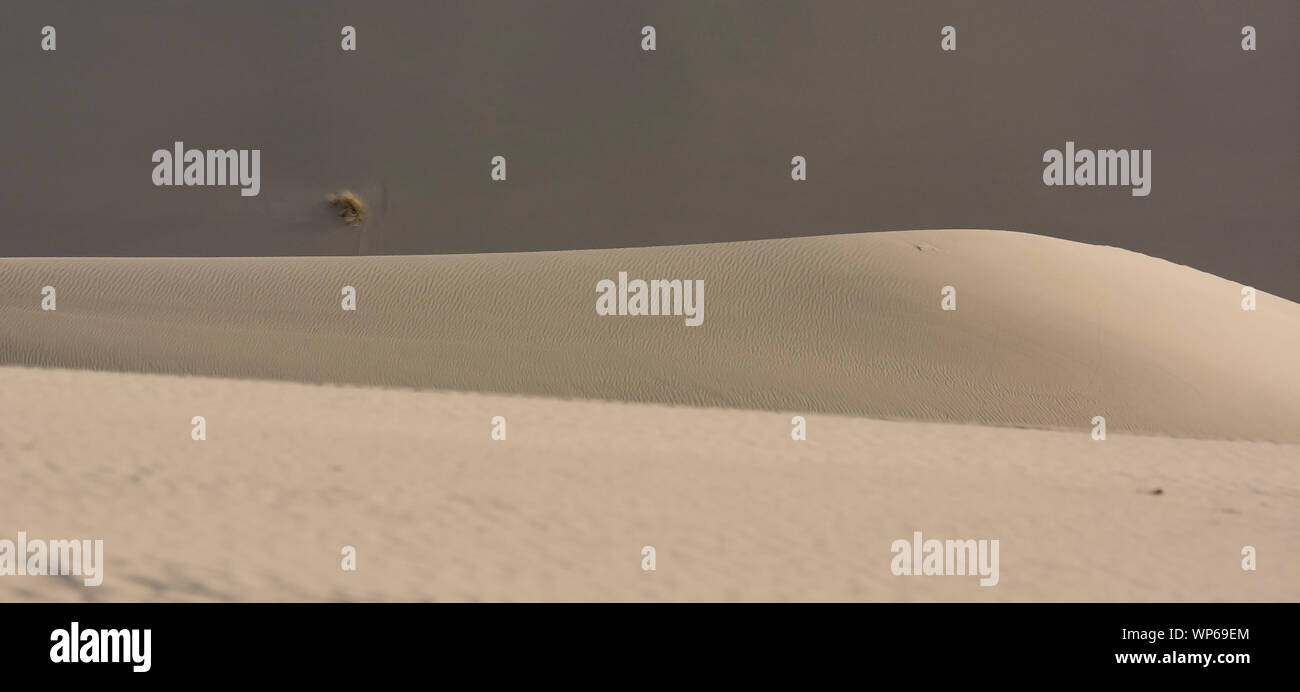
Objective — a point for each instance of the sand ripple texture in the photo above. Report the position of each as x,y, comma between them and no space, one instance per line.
1048,333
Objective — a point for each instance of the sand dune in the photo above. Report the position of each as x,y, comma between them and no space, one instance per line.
560,510
845,330
1048,333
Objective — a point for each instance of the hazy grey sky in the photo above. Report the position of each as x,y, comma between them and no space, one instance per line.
611,146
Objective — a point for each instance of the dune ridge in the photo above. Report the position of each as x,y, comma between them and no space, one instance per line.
1048,333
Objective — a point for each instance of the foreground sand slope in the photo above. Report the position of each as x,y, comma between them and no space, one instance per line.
290,473
1047,332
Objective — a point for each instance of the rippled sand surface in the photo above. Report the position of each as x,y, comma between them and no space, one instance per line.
372,428
1047,333
561,509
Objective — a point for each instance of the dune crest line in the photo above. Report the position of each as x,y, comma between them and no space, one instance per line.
1047,332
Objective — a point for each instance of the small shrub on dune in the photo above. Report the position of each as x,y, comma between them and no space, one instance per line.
349,206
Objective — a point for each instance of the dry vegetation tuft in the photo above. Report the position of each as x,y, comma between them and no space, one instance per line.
349,206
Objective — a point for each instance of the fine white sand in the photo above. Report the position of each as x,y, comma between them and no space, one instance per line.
992,405
1048,333
560,510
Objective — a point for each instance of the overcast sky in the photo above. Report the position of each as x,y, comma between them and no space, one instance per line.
607,145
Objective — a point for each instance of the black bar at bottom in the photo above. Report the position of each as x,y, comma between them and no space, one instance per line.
606,644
